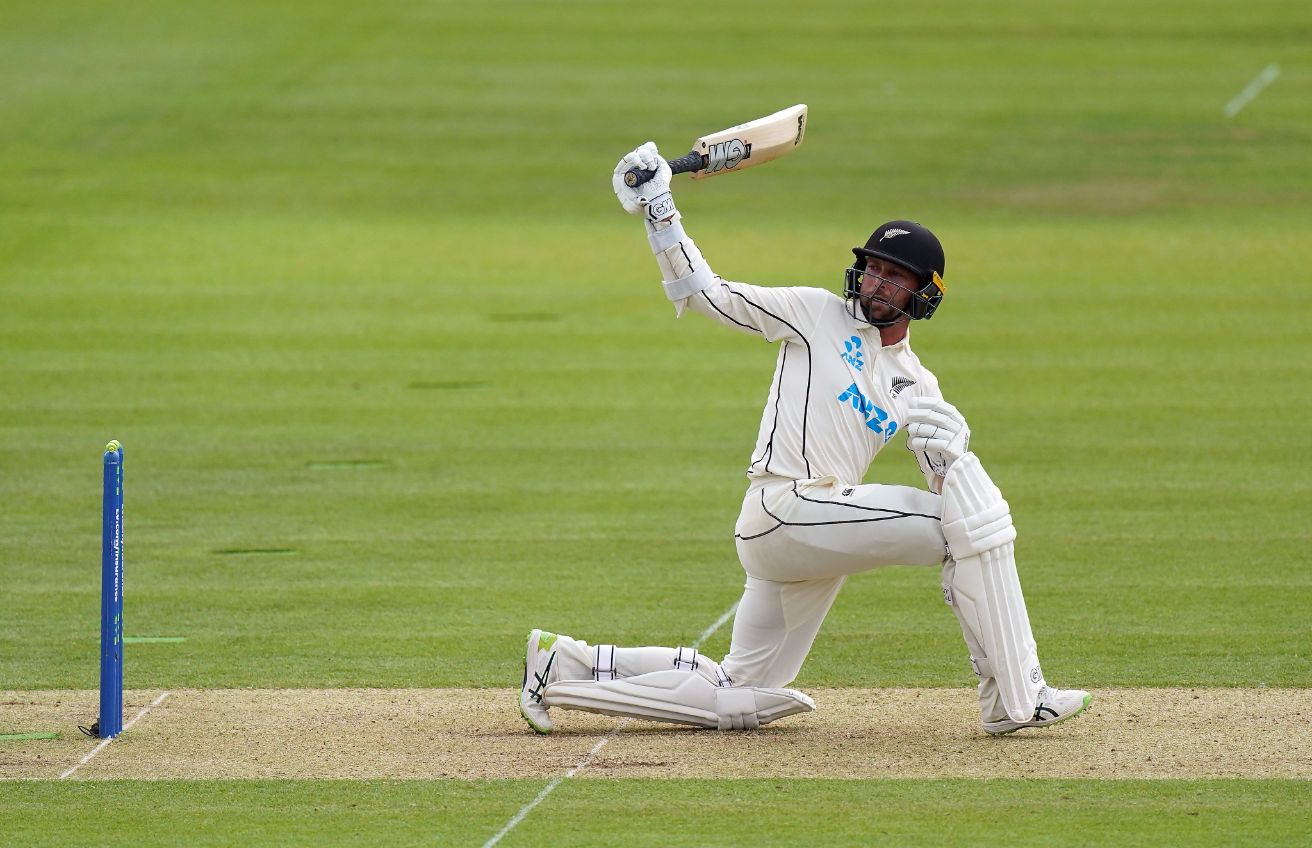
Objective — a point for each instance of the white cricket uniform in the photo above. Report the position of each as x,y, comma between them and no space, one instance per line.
837,398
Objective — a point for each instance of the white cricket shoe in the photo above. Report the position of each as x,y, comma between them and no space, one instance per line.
539,657
1055,705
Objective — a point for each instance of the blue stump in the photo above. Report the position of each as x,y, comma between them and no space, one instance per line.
111,596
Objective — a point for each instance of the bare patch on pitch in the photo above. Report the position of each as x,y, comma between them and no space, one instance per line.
478,733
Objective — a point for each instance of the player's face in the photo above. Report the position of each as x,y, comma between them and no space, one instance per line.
886,289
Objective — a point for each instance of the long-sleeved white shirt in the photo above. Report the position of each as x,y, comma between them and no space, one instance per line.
838,396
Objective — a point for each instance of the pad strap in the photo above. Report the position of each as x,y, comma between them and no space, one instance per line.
685,659
603,666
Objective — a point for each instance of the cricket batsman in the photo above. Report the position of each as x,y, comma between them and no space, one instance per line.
845,383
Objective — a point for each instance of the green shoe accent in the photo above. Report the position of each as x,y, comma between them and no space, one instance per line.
1088,699
542,731
546,640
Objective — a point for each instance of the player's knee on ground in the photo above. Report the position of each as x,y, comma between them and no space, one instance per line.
679,697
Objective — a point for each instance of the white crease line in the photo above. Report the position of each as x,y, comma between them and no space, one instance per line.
587,758
1254,88
550,787
96,750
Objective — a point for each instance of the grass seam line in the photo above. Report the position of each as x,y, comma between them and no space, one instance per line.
587,758
96,750
719,622
1264,78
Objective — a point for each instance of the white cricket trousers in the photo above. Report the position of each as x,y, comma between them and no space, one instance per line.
798,540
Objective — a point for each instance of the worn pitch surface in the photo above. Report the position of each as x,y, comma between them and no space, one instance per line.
477,733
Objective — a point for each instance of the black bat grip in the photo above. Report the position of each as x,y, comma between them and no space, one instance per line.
694,161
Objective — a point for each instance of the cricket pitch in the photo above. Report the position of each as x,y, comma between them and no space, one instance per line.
478,733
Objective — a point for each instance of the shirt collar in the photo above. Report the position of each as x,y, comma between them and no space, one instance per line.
901,344
860,325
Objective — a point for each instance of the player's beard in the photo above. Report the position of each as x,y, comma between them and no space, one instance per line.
882,312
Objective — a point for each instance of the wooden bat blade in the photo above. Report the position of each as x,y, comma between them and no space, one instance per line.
751,144
737,148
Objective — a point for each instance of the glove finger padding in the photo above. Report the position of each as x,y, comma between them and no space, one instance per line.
648,158
919,407
640,158
928,444
932,441
934,418
927,429
936,425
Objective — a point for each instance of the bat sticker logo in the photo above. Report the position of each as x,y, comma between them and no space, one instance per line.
726,155
801,125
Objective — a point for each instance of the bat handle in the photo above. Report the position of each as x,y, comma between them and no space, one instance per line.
694,161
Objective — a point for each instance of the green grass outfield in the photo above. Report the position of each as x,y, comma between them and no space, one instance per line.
396,379
711,813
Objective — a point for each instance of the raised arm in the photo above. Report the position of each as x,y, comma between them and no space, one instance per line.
772,313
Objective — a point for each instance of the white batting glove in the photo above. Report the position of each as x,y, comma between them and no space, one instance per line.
936,427
653,197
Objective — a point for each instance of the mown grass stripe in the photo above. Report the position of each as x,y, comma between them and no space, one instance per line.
339,464
447,384
524,317
253,551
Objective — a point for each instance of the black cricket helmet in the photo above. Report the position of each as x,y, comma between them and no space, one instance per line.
911,246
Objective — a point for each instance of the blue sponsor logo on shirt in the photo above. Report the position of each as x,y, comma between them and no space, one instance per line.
852,353
876,418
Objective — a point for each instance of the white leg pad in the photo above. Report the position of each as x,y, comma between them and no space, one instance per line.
975,516
678,697
985,587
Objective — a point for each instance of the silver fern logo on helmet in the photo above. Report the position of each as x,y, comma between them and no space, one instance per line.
888,234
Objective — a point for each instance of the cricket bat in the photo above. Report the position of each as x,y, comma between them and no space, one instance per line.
737,148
